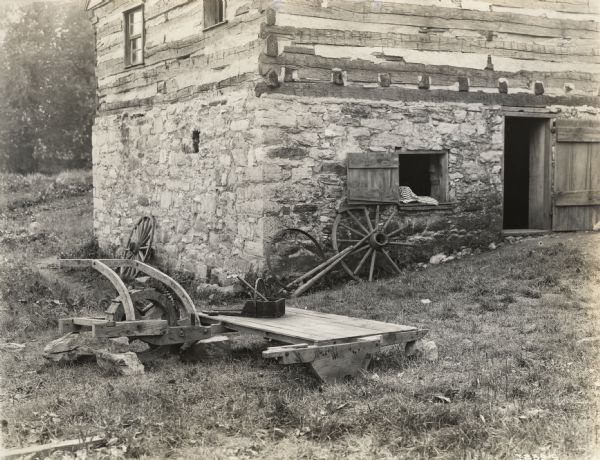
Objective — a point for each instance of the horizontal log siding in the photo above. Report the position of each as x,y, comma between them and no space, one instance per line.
178,54
317,68
438,42
410,38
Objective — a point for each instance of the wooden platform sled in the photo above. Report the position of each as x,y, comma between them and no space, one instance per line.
335,346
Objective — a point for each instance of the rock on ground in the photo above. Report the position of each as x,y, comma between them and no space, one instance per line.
216,347
422,349
118,345
120,363
437,259
70,347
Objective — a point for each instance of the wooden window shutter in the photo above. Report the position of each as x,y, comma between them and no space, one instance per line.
373,177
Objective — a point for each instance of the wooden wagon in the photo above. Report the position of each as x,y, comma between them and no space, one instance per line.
335,346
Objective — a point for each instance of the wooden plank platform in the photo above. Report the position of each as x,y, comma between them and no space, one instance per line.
335,346
312,327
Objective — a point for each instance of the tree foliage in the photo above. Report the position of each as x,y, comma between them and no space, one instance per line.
47,89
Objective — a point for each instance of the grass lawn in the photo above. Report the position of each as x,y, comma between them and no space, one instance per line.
512,379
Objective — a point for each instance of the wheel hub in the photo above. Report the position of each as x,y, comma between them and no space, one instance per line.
378,240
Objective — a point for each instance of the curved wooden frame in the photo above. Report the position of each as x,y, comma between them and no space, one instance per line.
105,267
119,285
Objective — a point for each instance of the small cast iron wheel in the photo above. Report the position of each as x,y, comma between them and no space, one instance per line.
139,245
381,254
291,253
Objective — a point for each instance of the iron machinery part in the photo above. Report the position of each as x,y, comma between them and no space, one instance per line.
291,253
382,252
149,303
139,245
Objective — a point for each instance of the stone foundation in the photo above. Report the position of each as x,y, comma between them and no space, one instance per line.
275,161
306,154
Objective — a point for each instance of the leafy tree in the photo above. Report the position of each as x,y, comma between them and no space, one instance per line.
47,89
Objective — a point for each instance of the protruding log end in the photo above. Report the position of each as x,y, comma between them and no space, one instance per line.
290,74
338,77
538,88
385,80
272,79
503,86
424,81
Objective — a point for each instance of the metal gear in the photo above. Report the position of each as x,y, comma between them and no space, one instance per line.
149,303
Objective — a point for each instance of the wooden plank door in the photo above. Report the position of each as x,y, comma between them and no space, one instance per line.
539,175
577,175
373,177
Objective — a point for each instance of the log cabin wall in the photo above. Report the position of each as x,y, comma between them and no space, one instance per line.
557,43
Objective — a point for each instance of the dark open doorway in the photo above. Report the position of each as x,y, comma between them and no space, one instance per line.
526,173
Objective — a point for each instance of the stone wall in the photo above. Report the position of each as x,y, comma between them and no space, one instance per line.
307,141
208,205
275,161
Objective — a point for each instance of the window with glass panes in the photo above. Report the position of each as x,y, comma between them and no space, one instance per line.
134,37
214,13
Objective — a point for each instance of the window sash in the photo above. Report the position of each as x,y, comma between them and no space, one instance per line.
214,12
134,40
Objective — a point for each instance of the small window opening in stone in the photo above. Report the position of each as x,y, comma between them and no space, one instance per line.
425,173
214,12
196,140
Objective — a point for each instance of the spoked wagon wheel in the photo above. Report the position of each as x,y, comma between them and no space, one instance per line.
380,256
139,245
291,253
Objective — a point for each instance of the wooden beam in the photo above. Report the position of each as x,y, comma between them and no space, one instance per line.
577,198
395,338
130,328
46,449
308,353
314,67
323,89
182,334
402,14
516,48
